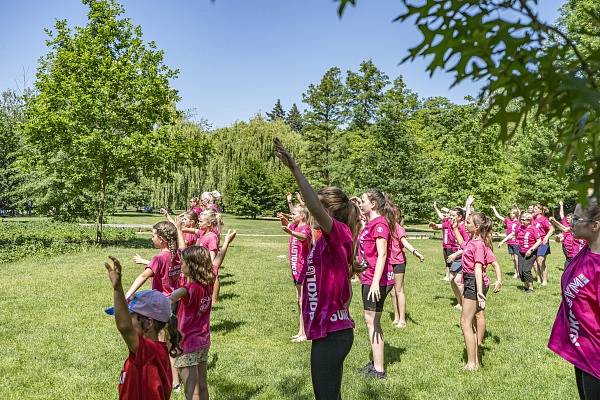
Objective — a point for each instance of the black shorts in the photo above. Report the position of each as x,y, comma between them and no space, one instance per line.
513,249
447,253
371,305
399,268
471,287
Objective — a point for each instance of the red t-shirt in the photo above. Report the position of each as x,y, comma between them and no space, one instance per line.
146,374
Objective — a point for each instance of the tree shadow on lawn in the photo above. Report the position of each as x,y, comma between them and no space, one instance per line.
373,389
226,275
231,390
133,243
484,348
225,326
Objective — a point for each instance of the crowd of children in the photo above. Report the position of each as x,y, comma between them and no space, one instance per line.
334,238
176,310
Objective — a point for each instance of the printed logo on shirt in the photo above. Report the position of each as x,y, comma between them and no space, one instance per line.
379,229
311,286
204,304
340,315
294,255
570,293
122,378
390,275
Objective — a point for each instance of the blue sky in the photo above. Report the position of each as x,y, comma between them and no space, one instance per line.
236,57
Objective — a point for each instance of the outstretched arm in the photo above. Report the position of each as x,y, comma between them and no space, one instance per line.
410,248
557,224
506,239
437,211
561,210
311,199
223,251
497,214
122,316
139,281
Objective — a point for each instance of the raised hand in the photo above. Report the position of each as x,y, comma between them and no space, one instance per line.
282,153
284,221
114,272
230,235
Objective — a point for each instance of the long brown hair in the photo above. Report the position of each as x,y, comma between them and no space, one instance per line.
483,228
341,208
197,259
384,206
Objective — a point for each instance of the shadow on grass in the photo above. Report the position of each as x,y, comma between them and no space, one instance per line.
451,299
407,316
227,283
228,296
226,326
133,243
226,275
291,387
373,389
392,354
228,389
213,362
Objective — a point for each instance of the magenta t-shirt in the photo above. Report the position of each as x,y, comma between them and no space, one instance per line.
474,252
166,272
447,233
542,224
326,290
526,237
565,222
207,239
571,245
193,317
396,254
463,233
576,332
298,251
511,226
189,239
490,258
375,229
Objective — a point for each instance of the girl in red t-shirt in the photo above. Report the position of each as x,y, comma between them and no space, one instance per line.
146,373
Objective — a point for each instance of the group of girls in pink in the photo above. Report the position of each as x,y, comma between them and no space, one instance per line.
355,238
182,277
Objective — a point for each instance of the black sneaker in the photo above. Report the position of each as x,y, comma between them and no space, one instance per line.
373,373
366,369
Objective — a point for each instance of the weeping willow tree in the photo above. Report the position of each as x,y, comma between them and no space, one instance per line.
213,159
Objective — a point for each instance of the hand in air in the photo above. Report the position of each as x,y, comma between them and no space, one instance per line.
114,272
282,153
284,221
138,259
288,197
230,235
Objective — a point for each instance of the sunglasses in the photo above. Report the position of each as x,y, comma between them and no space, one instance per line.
577,220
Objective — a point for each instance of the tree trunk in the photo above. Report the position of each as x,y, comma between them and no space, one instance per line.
100,220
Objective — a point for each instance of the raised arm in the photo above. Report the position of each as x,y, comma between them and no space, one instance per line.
122,316
410,248
557,224
561,210
437,211
139,281
223,251
311,199
497,214
468,205
288,197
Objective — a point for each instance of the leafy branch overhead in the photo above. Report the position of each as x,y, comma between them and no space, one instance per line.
529,67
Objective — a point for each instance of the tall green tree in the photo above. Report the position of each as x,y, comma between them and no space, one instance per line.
277,112
324,117
550,71
251,192
101,94
294,119
11,116
365,91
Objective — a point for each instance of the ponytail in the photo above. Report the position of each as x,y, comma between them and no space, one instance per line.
484,228
385,207
172,335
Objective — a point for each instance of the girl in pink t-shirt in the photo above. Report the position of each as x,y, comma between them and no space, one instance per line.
377,279
510,225
398,260
206,237
326,291
445,226
193,314
528,240
299,247
546,230
576,332
570,245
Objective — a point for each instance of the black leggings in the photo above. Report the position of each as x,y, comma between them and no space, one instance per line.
525,264
327,363
588,386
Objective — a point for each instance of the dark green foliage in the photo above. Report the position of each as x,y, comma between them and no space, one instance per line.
252,191
294,119
365,91
25,239
277,112
11,115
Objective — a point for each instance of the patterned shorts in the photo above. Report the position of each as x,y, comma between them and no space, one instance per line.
190,359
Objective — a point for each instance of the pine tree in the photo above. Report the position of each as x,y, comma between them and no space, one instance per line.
294,119
277,112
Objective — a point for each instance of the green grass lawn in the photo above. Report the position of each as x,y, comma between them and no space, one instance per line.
56,342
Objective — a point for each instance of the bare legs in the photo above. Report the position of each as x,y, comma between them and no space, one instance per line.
301,336
457,287
399,301
373,321
473,327
195,382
